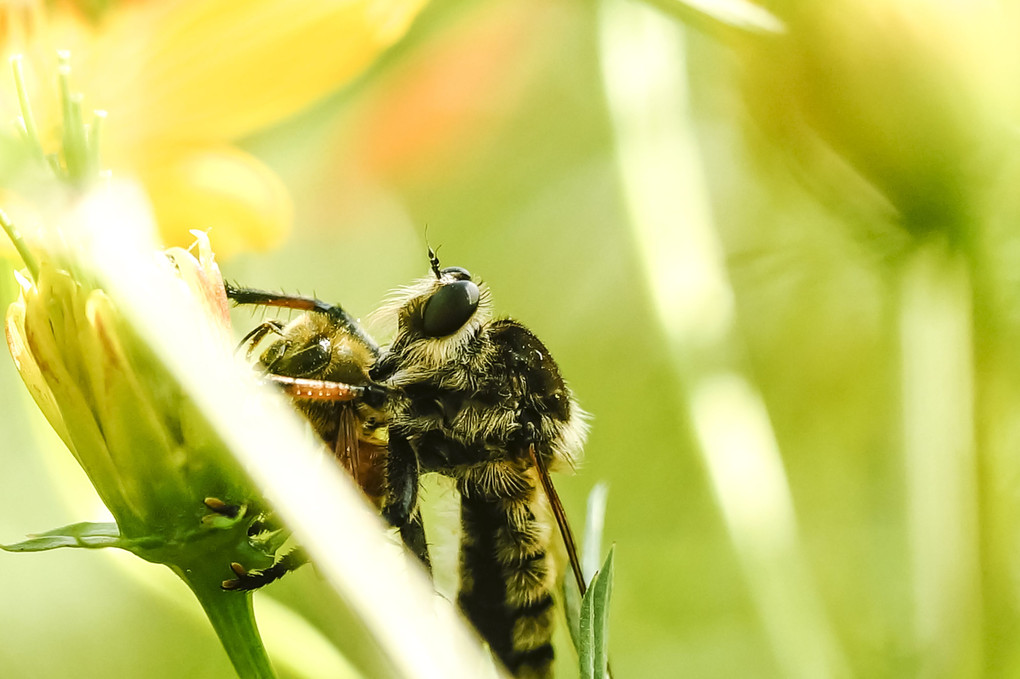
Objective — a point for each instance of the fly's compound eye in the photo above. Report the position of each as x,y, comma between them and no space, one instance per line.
450,308
457,273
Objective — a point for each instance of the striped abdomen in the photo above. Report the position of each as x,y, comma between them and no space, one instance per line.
507,574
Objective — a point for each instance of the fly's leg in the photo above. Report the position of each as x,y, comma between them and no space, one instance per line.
325,390
248,580
261,524
413,535
253,338
283,300
400,500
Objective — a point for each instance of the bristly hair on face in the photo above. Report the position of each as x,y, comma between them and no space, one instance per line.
385,318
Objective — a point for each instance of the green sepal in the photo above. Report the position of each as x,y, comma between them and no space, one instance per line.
87,535
593,651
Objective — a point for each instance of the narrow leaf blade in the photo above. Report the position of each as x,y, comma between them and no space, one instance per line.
86,535
593,651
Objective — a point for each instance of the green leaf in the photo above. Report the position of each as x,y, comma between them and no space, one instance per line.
86,535
593,651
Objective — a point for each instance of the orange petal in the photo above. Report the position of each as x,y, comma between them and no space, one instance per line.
220,69
222,190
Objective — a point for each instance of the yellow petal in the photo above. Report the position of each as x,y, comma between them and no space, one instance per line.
222,190
30,372
220,69
138,430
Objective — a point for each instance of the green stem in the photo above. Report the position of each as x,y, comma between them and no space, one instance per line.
27,118
233,617
75,149
19,244
937,358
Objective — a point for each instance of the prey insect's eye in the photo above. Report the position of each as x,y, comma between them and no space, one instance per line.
450,308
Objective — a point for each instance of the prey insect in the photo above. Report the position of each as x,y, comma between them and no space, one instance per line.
321,360
478,400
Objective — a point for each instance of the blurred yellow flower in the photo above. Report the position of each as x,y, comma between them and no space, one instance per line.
183,79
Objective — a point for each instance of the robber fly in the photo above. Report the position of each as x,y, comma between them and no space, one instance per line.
478,400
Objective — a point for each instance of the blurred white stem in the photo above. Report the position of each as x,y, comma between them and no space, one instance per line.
644,70
941,463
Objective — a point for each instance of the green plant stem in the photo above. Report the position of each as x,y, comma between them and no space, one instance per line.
27,118
19,244
941,457
233,617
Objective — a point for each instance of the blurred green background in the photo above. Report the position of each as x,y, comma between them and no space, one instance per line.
860,180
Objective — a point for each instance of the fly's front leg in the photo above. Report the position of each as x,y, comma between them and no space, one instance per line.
400,500
413,535
324,390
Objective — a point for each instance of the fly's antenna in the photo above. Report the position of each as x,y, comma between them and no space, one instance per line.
433,259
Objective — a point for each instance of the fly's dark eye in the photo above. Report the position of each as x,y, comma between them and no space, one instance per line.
450,308
457,273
